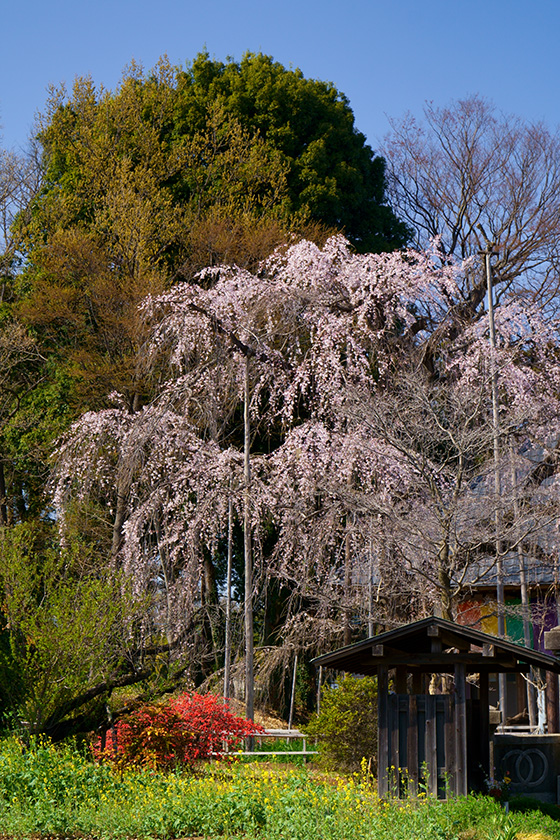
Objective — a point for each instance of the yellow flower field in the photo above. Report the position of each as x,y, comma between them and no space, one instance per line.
61,792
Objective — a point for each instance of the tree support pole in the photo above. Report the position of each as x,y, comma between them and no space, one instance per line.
249,642
227,652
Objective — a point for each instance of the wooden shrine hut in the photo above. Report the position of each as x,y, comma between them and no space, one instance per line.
440,739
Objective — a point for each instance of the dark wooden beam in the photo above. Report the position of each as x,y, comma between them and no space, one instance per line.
485,724
382,730
552,700
442,662
417,687
460,730
431,744
400,679
412,745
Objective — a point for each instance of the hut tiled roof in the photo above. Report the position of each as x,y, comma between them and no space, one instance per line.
435,644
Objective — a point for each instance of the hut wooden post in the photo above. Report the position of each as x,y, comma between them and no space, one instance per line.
431,744
460,730
401,679
382,730
552,711
412,744
417,682
485,722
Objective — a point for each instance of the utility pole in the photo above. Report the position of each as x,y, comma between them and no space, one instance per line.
525,605
500,597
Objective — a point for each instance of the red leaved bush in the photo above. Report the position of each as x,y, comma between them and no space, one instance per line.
180,732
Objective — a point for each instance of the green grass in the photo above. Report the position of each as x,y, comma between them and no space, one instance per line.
59,792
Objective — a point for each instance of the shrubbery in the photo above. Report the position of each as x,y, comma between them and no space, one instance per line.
526,804
347,724
185,729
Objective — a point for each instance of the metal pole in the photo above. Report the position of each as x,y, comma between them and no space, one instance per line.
500,597
370,589
249,643
525,606
290,719
227,653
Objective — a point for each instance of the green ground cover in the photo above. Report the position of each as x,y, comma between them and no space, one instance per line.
60,792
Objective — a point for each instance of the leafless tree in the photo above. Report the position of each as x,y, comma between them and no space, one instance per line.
19,181
473,178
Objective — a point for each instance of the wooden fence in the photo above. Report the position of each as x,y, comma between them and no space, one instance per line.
417,733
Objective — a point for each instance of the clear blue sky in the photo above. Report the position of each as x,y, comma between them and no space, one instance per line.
387,56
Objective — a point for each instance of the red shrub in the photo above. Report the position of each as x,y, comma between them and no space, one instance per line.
179,732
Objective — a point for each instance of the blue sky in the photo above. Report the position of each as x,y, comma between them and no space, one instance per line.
387,56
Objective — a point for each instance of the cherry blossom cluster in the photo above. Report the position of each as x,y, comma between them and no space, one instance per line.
356,440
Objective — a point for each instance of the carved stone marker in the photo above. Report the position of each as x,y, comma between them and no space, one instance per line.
531,762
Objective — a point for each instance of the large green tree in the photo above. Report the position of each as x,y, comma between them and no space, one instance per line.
248,137
332,174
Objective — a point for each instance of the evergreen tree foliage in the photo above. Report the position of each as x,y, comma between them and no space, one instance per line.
333,176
